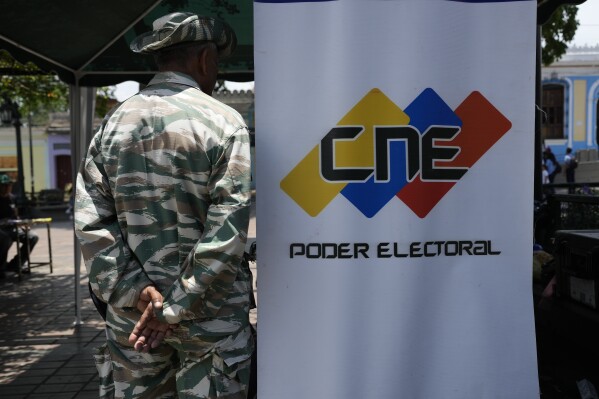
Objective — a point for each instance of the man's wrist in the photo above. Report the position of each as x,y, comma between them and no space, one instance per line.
167,315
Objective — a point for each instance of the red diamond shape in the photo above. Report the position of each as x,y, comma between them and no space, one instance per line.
482,126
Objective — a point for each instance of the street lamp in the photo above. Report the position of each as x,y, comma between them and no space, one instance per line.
9,114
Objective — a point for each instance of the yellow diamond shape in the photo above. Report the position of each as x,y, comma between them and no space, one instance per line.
304,183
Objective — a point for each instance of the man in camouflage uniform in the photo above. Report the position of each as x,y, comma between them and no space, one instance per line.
162,210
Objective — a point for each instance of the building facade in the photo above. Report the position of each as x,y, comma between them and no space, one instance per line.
570,103
34,143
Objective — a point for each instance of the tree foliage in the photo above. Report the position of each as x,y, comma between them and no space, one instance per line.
558,32
39,93
35,92
105,100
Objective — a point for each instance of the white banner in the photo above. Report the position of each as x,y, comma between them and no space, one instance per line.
395,186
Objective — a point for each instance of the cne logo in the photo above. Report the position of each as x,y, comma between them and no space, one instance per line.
378,151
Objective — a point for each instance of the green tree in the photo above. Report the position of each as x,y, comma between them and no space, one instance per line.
105,99
35,91
38,93
557,32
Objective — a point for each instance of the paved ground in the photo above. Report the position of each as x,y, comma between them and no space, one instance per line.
42,353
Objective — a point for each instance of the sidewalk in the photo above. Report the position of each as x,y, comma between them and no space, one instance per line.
42,353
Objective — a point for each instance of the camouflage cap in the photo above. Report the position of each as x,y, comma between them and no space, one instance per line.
180,27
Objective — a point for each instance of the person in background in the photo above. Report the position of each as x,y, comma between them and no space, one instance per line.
570,164
5,234
550,161
162,211
546,175
9,233
545,180
70,192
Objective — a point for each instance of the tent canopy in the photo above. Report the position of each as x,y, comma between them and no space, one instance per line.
86,42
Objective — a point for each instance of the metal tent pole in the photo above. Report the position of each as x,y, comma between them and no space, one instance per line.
82,116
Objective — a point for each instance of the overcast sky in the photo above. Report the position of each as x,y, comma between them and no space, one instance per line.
588,30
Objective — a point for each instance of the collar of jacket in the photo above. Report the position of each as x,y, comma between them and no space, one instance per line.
173,77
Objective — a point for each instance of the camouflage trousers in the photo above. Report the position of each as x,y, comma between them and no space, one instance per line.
165,372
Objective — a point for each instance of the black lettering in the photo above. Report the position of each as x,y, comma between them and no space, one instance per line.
396,252
330,250
327,156
382,250
385,134
465,246
415,250
432,153
311,254
324,250
447,251
439,247
480,248
361,248
491,252
296,249
343,251
426,245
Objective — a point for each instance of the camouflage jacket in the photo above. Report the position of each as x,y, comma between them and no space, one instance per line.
163,198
